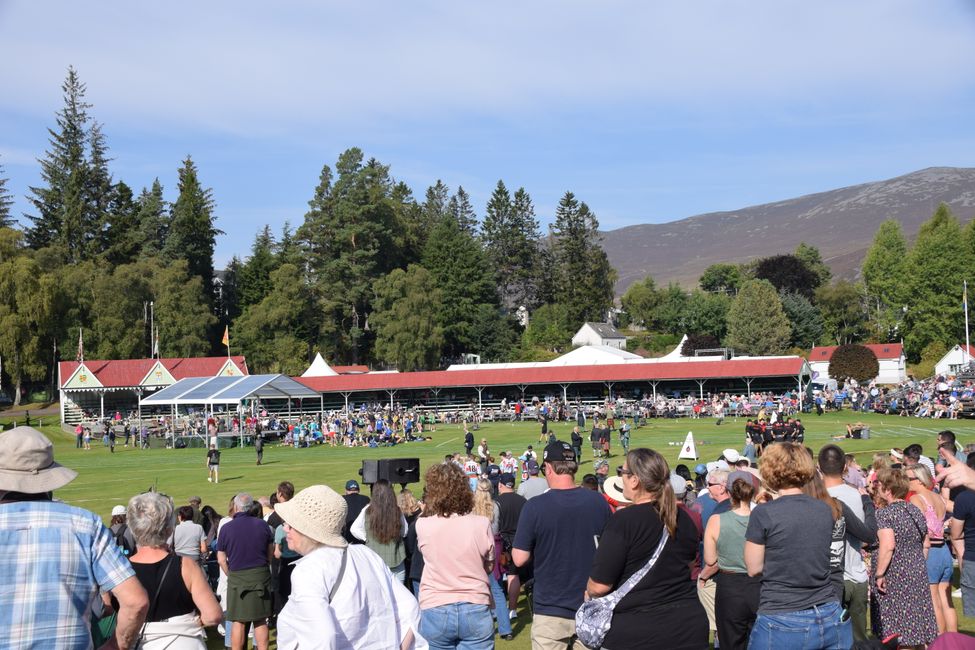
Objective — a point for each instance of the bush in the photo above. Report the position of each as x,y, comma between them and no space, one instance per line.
855,362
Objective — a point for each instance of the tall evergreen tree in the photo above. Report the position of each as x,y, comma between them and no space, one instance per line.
805,320
497,234
61,202
255,275
585,276
461,208
152,217
228,298
813,260
121,240
192,234
6,220
525,247
100,192
437,202
288,249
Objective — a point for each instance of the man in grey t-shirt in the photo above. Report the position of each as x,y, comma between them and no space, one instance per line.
535,484
189,540
832,462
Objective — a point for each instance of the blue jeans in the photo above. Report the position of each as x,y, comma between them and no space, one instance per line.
500,606
809,629
458,626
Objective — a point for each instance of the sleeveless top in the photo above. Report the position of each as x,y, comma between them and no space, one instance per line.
936,529
731,542
393,553
174,597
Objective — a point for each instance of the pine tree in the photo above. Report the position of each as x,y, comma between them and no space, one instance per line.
228,298
461,208
255,276
805,320
497,235
61,202
585,276
152,219
120,241
437,203
525,247
192,235
814,262
100,192
288,249
6,220
757,325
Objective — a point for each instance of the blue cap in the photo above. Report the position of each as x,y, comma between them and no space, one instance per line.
701,469
352,484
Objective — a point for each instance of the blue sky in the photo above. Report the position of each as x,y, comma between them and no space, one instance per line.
648,111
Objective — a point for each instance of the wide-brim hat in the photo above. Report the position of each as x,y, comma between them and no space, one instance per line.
613,487
317,512
27,463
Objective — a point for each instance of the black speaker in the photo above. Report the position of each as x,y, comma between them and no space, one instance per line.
394,470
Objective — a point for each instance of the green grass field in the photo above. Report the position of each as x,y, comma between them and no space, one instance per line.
106,479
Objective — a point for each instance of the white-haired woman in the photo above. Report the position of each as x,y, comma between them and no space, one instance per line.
181,602
342,596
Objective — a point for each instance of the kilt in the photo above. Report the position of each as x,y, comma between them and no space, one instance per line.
249,594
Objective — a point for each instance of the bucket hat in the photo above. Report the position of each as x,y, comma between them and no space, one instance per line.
317,512
27,463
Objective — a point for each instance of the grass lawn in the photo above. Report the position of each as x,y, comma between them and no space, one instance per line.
106,479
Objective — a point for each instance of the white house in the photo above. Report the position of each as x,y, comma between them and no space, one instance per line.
953,362
893,363
599,334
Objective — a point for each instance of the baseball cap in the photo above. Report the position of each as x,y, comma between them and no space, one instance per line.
118,510
745,476
602,462
507,479
532,467
558,450
352,484
679,484
731,455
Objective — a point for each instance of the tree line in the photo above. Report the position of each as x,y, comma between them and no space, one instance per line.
371,275
789,303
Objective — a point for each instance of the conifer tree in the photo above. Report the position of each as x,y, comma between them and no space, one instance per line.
757,325
255,275
152,218
584,274
462,210
6,201
192,234
120,241
885,279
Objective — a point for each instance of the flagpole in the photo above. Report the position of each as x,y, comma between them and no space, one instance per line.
965,303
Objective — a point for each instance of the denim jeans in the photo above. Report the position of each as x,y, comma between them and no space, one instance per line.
458,626
810,629
500,606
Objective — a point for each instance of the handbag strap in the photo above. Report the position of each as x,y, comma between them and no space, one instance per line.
612,599
338,580
155,598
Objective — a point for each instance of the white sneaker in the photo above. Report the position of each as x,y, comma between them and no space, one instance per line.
956,593
209,480
512,615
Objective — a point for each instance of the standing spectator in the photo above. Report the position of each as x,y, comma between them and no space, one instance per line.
510,505
343,596
832,462
245,546
577,441
354,503
180,600
120,531
788,543
195,503
259,446
58,556
487,507
900,571
663,605
939,563
213,464
382,527
625,436
468,440
601,469
483,455
189,540
962,525
714,502
736,596
458,553
535,484
559,530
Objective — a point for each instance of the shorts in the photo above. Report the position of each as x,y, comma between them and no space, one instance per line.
939,563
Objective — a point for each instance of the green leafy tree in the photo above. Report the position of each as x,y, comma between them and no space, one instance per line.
117,328
671,310
938,263
550,328
192,234
841,305
811,257
6,220
707,313
640,302
466,281
805,320
725,278
787,273
408,334
757,324
930,356
184,320
585,276
885,271
856,362
255,275
287,313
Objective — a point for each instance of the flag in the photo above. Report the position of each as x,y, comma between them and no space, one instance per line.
226,336
80,357
155,344
964,297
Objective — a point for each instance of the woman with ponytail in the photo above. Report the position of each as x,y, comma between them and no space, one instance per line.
662,610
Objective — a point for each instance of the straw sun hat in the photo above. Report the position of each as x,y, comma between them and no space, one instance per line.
27,463
317,512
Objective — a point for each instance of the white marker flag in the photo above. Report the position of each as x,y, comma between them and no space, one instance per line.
688,450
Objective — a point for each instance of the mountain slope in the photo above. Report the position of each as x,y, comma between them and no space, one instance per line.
841,223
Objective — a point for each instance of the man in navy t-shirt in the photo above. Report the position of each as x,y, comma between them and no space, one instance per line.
559,530
963,540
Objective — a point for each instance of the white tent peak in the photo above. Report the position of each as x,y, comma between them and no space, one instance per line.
319,368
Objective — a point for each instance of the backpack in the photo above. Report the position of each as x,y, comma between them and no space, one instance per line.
122,542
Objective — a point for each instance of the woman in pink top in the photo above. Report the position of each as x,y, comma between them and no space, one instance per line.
458,554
